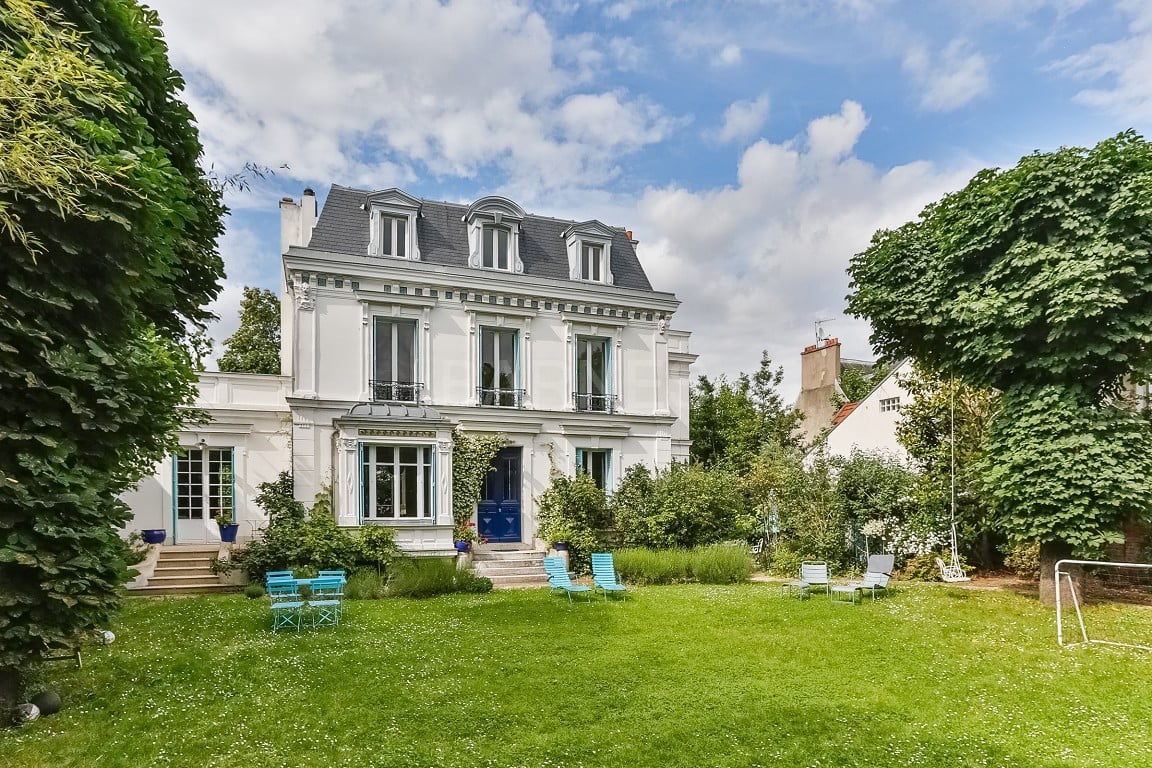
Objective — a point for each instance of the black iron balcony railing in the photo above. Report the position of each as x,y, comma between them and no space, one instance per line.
395,391
586,401
506,398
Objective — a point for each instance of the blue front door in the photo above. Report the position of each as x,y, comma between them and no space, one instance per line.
498,513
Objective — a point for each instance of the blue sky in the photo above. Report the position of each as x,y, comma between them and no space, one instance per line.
752,147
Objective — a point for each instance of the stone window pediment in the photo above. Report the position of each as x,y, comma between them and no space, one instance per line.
494,226
392,224
589,247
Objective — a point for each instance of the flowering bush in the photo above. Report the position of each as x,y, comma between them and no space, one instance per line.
468,532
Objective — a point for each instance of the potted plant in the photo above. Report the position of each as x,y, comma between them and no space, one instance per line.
228,527
465,536
154,535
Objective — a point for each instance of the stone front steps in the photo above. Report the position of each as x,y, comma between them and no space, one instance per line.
511,569
183,570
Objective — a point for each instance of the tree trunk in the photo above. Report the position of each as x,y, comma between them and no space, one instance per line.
11,686
1050,553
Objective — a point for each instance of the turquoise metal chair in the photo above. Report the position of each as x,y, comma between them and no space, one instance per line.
283,590
270,575
333,575
287,607
558,578
604,575
326,604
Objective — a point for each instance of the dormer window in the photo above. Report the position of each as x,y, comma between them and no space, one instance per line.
494,234
591,262
589,246
393,215
393,236
495,247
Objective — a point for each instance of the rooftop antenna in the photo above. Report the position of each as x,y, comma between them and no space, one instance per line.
820,334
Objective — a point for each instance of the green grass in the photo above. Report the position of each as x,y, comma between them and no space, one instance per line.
675,676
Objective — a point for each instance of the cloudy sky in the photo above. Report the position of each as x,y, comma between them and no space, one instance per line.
752,146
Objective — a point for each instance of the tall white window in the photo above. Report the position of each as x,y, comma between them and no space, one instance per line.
595,464
593,375
204,486
498,368
396,482
394,236
494,247
592,262
394,360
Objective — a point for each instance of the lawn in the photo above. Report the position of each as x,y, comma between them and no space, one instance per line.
675,676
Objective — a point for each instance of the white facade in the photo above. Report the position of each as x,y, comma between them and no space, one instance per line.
246,443
403,319
871,426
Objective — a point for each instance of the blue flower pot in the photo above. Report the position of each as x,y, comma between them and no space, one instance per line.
463,546
560,546
154,535
228,532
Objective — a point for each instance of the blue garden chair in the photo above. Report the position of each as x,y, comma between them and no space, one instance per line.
341,575
287,607
558,578
326,603
604,575
282,590
270,575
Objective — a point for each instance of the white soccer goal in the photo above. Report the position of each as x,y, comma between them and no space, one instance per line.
1111,582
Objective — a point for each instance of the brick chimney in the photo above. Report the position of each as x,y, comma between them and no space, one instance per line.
819,374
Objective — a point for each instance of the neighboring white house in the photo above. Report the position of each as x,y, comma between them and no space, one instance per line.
403,318
870,424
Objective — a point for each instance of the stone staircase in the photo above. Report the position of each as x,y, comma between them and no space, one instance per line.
184,569
511,568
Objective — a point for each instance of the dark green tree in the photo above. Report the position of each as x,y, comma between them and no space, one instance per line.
925,430
731,421
107,258
1035,281
255,346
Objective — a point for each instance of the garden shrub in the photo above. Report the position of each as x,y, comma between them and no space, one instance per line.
254,591
785,560
713,564
640,565
365,584
422,577
721,564
377,545
574,509
682,506
1024,560
468,581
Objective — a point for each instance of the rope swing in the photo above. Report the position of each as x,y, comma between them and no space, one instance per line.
953,572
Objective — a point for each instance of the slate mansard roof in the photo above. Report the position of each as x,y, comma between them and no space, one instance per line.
443,238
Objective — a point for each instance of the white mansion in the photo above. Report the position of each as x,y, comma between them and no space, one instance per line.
404,318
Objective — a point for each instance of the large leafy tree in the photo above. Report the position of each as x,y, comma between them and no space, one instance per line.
107,258
939,410
1036,281
731,421
255,346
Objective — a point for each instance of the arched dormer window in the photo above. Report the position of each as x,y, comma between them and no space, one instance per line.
494,234
589,246
392,222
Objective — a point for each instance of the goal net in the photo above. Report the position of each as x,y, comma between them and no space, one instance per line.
1090,596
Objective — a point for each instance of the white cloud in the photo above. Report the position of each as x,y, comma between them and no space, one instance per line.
756,263
352,92
729,56
1125,66
744,119
950,80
